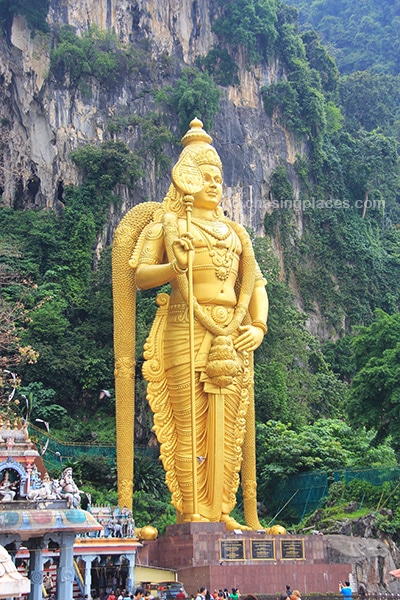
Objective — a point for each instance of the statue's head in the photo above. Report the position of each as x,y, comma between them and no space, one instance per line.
67,472
187,173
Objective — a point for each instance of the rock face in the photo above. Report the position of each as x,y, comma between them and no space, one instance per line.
42,123
371,560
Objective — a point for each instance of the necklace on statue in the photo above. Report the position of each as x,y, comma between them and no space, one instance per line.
222,261
220,231
220,252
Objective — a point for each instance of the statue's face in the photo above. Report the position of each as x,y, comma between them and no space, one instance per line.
210,196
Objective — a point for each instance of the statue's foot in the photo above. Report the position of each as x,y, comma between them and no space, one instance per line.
231,523
194,518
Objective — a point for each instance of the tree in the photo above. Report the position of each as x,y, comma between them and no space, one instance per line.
361,35
293,381
371,100
326,444
375,389
14,289
370,161
34,11
194,94
249,23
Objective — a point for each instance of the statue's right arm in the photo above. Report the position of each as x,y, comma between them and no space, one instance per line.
153,269
150,276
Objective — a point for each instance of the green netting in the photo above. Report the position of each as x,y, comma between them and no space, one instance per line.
373,476
57,453
303,492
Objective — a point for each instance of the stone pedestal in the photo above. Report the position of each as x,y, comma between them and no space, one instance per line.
206,554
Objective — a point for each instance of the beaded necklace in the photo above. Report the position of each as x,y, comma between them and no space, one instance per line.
218,230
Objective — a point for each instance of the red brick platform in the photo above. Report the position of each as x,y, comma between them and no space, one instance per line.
206,554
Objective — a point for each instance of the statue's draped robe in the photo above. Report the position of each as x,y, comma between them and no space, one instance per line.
220,411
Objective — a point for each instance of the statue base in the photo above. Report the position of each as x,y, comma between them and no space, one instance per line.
252,561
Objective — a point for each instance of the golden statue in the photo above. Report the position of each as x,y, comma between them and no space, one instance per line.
199,353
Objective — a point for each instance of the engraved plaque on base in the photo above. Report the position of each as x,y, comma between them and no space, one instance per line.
292,550
262,549
231,550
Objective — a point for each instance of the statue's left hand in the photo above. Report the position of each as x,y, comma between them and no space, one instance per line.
249,338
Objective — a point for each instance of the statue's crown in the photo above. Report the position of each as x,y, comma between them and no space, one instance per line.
196,134
198,143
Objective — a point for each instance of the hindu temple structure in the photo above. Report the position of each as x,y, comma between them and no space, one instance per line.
36,513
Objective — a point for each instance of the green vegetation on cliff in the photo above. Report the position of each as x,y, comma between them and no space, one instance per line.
360,35
34,11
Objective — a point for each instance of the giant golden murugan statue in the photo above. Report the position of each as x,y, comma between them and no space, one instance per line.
199,353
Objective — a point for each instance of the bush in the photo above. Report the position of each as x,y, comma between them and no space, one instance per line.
96,54
249,23
34,11
221,66
194,95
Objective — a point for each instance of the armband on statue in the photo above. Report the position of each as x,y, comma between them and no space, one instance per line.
260,325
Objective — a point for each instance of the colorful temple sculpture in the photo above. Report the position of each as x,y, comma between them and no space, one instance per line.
37,513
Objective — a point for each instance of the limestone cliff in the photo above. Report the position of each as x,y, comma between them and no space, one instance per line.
41,123
371,561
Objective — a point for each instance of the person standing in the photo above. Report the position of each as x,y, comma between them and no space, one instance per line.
139,593
234,595
362,592
287,593
48,583
202,593
345,589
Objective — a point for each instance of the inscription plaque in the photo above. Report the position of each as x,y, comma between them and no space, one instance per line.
262,549
232,550
292,550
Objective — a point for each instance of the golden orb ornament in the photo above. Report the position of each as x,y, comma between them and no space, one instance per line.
276,530
146,533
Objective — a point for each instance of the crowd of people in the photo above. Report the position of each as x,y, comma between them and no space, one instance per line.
204,594
221,594
124,594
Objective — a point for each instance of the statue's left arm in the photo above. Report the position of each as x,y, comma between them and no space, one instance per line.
251,336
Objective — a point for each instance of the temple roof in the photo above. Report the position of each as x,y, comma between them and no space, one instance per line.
35,522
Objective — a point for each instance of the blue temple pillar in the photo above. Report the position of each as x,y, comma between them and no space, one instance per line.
65,571
35,573
131,556
88,559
